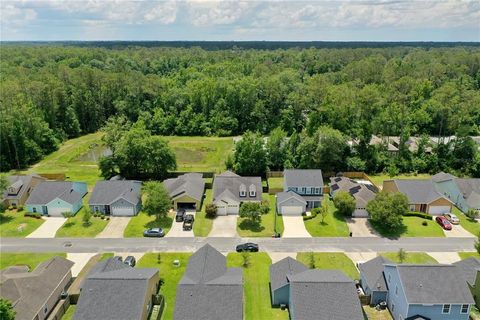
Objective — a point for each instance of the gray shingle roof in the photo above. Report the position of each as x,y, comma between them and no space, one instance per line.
191,184
107,192
282,196
442,176
231,182
362,193
29,291
280,270
303,177
418,190
470,188
469,268
427,284
113,290
22,181
209,290
372,272
47,191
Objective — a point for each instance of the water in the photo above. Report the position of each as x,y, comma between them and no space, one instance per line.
94,154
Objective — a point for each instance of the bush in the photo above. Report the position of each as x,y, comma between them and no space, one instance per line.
20,208
67,214
107,218
472,214
210,210
35,215
417,214
10,208
424,223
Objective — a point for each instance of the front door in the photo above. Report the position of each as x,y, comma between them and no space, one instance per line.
423,207
45,210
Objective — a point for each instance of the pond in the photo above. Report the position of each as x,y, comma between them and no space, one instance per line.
94,154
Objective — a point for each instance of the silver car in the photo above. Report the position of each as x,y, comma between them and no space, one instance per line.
452,218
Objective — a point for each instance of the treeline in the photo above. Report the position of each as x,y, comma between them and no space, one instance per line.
50,93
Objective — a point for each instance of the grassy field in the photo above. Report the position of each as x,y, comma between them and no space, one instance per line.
379,178
265,229
276,182
472,226
29,259
411,257
466,255
413,227
143,221
256,278
14,224
329,261
169,273
203,225
333,226
70,312
373,314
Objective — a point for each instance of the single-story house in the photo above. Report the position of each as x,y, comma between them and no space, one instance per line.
464,193
114,290
372,279
302,191
208,289
471,270
116,198
362,193
20,187
422,195
230,190
186,190
313,293
35,294
56,197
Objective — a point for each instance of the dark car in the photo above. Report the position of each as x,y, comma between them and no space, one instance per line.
247,247
130,260
180,215
444,223
154,232
188,222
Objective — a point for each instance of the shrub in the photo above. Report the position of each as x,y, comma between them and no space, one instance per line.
210,210
20,208
67,214
10,208
107,218
417,214
472,214
86,218
35,215
424,223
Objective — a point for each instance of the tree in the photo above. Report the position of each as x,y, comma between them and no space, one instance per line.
311,260
324,209
264,207
87,216
477,243
344,202
387,209
401,255
472,214
6,310
251,211
4,183
107,166
250,157
158,201
276,149
245,259
210,210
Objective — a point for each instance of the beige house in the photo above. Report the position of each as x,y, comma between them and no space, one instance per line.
20,188
186,190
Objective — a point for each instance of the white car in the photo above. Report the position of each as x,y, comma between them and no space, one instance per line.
452,218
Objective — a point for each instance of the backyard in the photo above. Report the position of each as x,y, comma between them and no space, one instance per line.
203,225
410,257
13,223
29,259
412,227
143,221
266,228
378,179
334,224
374,314
275,183
329,261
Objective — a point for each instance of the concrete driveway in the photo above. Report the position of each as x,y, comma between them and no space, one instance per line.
360,257
177,229
277,256
79,260
294,227
115,227
458,232
224,226
360,227
445,257
49,228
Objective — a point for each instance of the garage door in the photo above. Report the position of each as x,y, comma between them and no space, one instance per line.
438,209
186,205
221,211
360,213
232,209
57,212
292,210
122,211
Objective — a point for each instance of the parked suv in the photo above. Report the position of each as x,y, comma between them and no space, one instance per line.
180,215
130,260
452,218
188,222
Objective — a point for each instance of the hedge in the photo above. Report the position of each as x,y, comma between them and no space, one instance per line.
418,214
35,215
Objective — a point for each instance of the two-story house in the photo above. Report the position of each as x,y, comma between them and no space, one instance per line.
20,188
302,191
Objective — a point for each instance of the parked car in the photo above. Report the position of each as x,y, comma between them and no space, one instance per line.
444,223
154,232
452,218
118,258
180,215
247,247
130,260
188,222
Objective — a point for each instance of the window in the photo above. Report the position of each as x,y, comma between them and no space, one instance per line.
412,207
389,277
96,209
446,309
243,193
393,307
252,193
309,190
317,190
304,190
34,210
464,308
396,290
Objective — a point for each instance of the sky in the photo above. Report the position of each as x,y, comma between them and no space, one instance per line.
349,20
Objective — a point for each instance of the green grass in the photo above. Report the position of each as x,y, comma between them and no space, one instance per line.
413,227
472,226
70,312
333,226
169,273
256,278
330,261
266,228
276,182
466,255
14,224
29,259
106,255
143,221
374,314
379,178
411,257
203,225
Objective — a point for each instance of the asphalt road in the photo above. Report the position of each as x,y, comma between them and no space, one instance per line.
228,244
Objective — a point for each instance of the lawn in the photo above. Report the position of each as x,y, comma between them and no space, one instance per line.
411,257
330,261
471,226
14,224
203,225
29,259
266,228
256,278
379,178
169,273
466,255
143,221
373,314
70,312
275,182
333,226
413,227
201,153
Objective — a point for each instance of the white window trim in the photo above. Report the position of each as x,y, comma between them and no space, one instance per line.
449,308
461,309
243,193
252,193
309,190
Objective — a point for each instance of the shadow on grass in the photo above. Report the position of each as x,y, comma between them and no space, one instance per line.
388,233
163,223
5,219
68,225
251,226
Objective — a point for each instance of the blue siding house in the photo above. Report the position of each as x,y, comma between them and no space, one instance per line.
464,193
373,281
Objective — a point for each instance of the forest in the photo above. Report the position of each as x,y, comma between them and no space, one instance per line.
50,93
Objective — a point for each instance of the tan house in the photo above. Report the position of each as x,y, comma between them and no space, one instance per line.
186,190
422,195
20,188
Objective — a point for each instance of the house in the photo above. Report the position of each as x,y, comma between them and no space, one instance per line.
35,294
209,290
372,279
55,197
362,193
20,187
114,290
116,198
186,190
471,270
422,195
464,193
428,291
302,191
309,293
230,190
412,143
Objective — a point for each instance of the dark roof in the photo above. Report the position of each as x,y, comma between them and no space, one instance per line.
107,192
20,182
470,188
469,267
303,177
280,270
362,193
226,186
417,317
191,184
209,290
418,190
442,176
114,290
372,272
282,196
47,191
29,291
